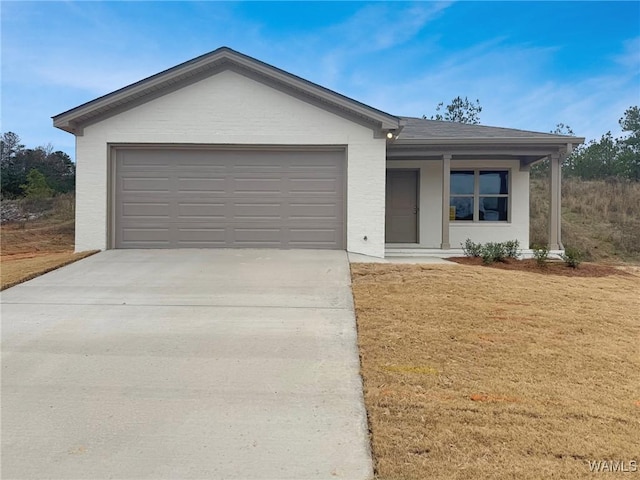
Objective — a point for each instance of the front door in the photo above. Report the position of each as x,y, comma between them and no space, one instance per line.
402,206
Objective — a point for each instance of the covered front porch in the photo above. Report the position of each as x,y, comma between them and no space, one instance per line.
438,194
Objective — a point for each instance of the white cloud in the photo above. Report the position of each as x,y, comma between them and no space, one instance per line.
630,56
329,56
517,88
384,26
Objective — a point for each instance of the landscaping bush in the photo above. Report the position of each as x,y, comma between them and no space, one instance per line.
487,255
512,248
572,257
541,254
493,252
471,249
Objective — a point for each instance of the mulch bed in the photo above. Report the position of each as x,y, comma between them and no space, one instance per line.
552,267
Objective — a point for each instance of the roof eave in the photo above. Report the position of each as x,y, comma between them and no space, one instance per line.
559,141
64,119
63,125
67,119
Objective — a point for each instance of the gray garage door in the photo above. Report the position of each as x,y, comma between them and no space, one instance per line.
229,198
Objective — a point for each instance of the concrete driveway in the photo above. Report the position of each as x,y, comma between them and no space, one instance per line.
208,364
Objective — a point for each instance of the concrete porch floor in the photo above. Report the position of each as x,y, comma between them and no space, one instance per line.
414,259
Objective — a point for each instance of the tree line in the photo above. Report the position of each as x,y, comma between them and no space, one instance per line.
608,157
33,172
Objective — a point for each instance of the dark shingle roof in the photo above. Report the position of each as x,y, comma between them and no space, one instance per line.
422,129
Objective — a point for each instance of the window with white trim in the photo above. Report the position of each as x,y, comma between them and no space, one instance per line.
479,196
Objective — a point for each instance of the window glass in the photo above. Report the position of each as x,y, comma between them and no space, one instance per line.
461,208
493,209
494,183
462,183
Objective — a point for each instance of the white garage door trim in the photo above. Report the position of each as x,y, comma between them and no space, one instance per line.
113,201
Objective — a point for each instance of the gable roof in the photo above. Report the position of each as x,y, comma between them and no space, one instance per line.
209,64
420,130
407,130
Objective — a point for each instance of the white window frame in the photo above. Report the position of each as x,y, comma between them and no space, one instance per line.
476,194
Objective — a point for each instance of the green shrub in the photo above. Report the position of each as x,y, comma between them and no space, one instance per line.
493,252
541,254
512,248
471,249
572,257
487,255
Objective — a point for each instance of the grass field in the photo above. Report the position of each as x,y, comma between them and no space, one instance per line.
599,217
475,372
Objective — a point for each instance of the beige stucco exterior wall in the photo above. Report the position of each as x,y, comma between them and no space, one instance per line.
229,108
430,201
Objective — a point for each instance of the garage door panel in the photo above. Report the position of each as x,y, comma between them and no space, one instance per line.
303,237
146,184
256,235
214,211
214,236
314,211
246,210
263,165
146,234
310,186
241,198
139,161
313,174
141,210
258,186
194,161
204,185
300,167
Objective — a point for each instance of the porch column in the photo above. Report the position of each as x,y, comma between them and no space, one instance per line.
446,185
555,207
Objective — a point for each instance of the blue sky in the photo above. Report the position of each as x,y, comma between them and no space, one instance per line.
532,65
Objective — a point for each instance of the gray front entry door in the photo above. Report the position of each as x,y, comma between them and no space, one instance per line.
402,206
200,198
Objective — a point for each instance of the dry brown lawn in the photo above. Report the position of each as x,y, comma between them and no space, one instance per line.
33,248
15,269
481,373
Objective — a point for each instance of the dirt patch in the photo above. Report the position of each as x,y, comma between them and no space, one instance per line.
552,267
476,372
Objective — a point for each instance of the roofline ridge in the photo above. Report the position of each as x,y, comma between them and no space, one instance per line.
181,71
